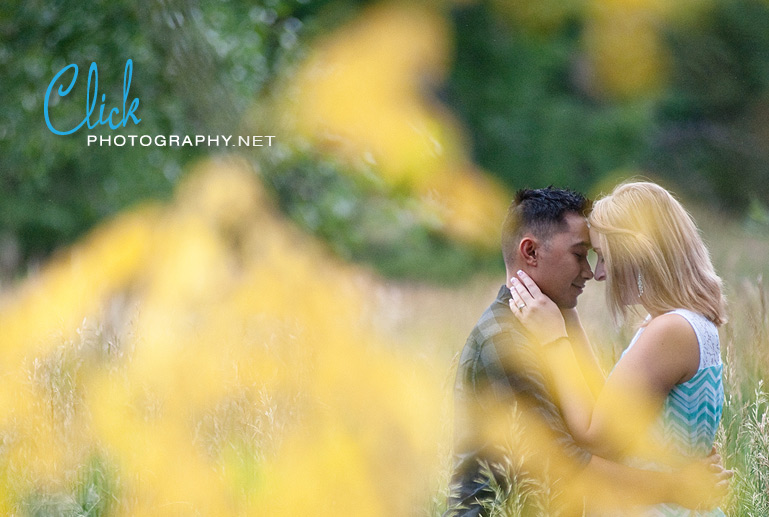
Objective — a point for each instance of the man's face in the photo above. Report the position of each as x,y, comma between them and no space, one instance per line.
562,267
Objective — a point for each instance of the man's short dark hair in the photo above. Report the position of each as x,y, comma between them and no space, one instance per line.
542,213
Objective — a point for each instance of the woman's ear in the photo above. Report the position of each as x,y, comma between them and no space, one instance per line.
528,249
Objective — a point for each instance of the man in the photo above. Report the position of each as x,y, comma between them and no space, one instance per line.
508,427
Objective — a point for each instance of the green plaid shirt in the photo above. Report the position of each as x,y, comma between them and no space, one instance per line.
500,368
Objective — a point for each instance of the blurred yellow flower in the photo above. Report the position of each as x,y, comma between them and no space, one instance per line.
364,95
247,378
624,41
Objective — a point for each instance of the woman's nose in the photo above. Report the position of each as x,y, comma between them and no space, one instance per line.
600,272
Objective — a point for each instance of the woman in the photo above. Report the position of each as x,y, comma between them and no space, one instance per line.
663,401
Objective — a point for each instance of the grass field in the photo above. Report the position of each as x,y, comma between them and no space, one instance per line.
227,365
436,322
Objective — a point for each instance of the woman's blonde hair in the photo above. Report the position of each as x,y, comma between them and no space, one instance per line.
652,247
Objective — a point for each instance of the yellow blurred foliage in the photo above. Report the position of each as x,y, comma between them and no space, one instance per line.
624,41
245,377
52,302
242,372
363,95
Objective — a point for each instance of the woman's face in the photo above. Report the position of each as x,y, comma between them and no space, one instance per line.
629,294
600,268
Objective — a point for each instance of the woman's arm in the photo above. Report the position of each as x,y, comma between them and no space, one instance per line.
588,362
618,488
546,324
665,354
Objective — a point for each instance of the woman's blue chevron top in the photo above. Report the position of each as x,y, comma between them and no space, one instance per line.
692,410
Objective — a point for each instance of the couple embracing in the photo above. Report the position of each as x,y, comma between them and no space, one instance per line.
534,406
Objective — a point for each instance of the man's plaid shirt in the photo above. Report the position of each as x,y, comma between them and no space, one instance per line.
499,368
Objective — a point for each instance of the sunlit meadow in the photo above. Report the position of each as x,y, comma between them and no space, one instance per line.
205,357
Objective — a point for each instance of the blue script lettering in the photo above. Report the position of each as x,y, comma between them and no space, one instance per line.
90,103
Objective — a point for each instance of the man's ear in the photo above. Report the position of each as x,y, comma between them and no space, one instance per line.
528,249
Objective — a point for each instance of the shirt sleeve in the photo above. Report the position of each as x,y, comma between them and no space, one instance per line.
510,374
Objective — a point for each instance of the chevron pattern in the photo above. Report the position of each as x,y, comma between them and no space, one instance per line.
693,411
667,510
687,426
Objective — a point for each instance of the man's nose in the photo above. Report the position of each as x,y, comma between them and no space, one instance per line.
587,273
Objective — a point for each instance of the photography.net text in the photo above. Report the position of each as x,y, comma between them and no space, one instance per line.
180,140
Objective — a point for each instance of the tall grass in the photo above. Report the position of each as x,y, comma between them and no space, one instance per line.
227,365
744,433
